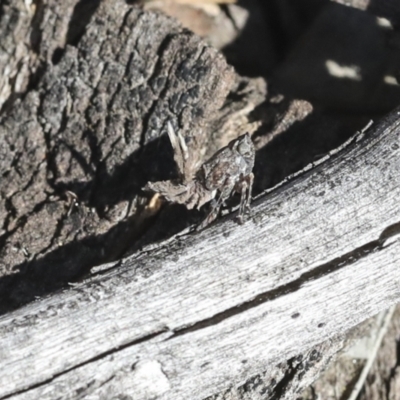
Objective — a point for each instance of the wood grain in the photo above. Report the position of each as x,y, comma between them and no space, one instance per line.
183,318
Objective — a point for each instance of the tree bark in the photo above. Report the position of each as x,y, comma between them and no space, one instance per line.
187,316
78,138
85,105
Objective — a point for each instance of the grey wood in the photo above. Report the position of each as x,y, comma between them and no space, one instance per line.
86,89
90,132
184,318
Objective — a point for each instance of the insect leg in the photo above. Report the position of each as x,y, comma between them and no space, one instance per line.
245,195
242,206
250,181
216,205
213,214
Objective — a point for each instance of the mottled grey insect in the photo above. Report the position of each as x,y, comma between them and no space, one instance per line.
229,170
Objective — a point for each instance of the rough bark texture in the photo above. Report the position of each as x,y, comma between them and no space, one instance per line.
78,138
87,89
78,146
193,326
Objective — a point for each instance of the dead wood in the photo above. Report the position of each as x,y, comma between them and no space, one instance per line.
181,319
383,381
84,112
72,148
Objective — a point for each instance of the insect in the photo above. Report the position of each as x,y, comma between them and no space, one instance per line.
229,170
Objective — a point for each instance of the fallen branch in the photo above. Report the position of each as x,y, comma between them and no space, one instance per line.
186,317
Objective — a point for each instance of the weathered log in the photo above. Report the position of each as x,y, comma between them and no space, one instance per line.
181,319
55,147
57,223
90,133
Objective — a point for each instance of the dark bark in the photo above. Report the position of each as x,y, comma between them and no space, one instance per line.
78,147
85,134
88,89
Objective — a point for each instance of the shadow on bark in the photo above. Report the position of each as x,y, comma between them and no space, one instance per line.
72,261
290,151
